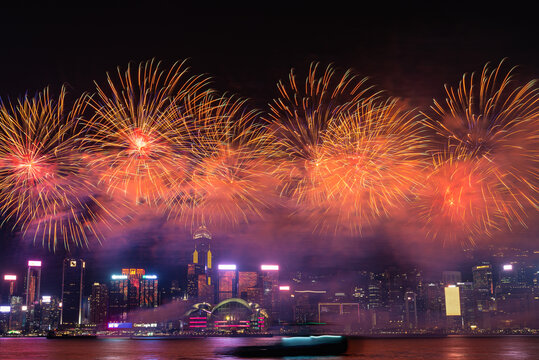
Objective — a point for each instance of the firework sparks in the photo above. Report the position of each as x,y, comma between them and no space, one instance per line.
352,157
462,201
488,163
229,181
136,138
490,117
42,177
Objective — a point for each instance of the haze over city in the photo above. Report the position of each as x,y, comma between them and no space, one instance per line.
364,153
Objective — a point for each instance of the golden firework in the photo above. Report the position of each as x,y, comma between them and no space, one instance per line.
43,179
135,137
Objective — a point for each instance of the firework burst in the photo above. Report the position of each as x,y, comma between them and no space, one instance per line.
135,137
43,179
371,160
485,175
351,157
229,180
492,118
462,200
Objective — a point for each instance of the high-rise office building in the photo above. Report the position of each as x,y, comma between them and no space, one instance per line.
200,285
99,302
33,282
228,278
410,309
11,281
269,275
133,292
49,312
149,291
72,285
118,298
193,272
482,278
202,254
247,280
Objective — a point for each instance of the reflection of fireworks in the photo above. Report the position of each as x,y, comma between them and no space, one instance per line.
462,200
42,178
134,129
490,118
229,180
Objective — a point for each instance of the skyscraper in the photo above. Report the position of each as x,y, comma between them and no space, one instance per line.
202,254
270,289
482,278
247,280
200,284
134,276
228,278
33,282
118,297
72,280
99,301
410,309
32,293
149,293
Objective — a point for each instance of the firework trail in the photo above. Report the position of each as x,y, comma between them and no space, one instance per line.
229,181
489,128
43,179
351,157
135,138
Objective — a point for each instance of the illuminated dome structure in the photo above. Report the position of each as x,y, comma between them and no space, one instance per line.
230,315
237,314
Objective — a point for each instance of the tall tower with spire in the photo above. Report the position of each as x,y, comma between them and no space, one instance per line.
199,272
202,254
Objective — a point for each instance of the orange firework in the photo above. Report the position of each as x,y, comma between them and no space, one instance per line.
462,199
43,180
492,118
351,157
229,181
136,140
300,116
370,162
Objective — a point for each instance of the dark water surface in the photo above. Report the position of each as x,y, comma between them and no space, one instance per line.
508,347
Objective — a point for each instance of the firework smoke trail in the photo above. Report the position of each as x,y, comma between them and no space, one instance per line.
351,156
135,138
229,181
490,131
43,179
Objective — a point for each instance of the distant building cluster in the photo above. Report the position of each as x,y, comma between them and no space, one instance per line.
224,298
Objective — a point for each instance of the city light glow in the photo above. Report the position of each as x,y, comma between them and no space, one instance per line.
5,309
269,267
226,267
119,277
508,267
46,299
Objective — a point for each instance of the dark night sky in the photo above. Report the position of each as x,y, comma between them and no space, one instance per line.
409,50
